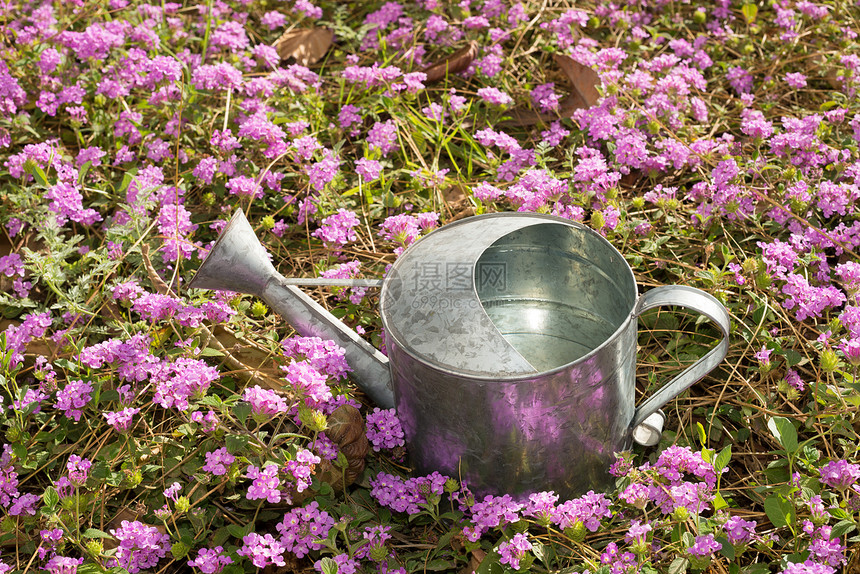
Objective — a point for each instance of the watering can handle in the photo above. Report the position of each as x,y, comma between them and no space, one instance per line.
707,305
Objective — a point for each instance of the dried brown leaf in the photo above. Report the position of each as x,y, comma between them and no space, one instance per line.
306,45
583,82
456,62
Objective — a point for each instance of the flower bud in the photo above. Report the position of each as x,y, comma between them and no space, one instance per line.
209,199
700,17
576,532
179,550
132,478
597,220
268,222
258,309
451,485
94,547
183,504
378,553
680,513
829,361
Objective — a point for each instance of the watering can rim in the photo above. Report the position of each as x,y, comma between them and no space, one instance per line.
501,377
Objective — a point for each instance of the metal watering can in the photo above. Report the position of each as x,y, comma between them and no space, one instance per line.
511,344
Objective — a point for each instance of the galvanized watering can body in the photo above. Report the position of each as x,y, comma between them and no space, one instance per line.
511,344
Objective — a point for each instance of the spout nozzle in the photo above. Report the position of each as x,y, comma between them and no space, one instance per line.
239,262
236,262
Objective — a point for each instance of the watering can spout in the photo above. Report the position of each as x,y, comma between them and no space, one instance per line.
239,262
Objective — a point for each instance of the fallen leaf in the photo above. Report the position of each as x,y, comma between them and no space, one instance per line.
456,62
306,45
583,82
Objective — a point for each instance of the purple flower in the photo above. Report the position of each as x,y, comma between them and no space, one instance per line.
217,461
73,398
302,527
337,230
174,224
384,430
323,171
348,116
265,485
495,96
78,469
172,491
383,136
210,560
265,403
325,356
347,270
368,169
851,349
512,552
486,192
140,546
262,550
24,504
795,80
637,533
216,77
301,468
492,512
740,531
704,545
310,382
121,421
541,506
587,510
839,474
807,567
63,565
545,99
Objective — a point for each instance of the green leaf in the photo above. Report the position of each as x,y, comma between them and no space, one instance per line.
210,352
720,502
703,438
841,528
95,533
50,497
328,566
679,566
236,531
241,410
779,510
235,443
490,564
727,550
784,432
750,11
722,460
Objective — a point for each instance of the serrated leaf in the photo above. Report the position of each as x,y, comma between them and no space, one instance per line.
95,533
236,531
784,432
841,528
779,511
727,550
50,497
722,460
235,443
679,566
328,566
241,410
